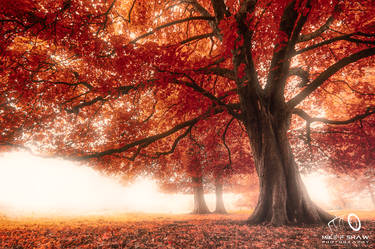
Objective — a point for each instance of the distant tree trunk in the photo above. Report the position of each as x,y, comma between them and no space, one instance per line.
371,194
220,208
200,206
343,202
283,198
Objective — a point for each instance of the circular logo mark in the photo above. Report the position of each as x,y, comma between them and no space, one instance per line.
357,222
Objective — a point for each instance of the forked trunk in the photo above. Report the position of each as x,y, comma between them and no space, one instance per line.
283,198
220,208
200,206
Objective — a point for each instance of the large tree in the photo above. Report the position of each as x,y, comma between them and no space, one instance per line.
115,80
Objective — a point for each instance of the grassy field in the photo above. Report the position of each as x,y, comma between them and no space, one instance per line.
177,231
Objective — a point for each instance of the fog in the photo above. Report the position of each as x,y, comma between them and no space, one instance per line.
37,186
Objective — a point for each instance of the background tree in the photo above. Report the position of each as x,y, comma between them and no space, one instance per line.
248,186
228,156
360,194
195,170
81,79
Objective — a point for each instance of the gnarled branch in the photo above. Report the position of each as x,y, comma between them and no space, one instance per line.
193,85
328,73
309,120
142,143
290,26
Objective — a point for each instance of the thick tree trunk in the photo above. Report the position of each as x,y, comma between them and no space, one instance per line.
283,198
200,206
220,208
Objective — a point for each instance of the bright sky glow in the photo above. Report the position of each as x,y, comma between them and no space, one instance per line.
132,35
317,188
35,186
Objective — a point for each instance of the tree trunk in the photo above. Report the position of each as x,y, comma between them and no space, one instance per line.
283,198
371,194
200,206
220,208
342,201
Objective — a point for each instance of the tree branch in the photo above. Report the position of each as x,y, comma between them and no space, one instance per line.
197,37
131,9
209,18
204,12
175,143
223,72
224,142
75,109
105,14
193,85
290,26
207,94
86,84
198,7
308,118
220,9
354,90
152,113
347,37
298,71
328,73
316,33
141,143
243,55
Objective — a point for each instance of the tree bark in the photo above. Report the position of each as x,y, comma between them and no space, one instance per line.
283,198
220,208
200,206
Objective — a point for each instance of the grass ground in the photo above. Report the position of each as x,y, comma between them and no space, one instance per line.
178,231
